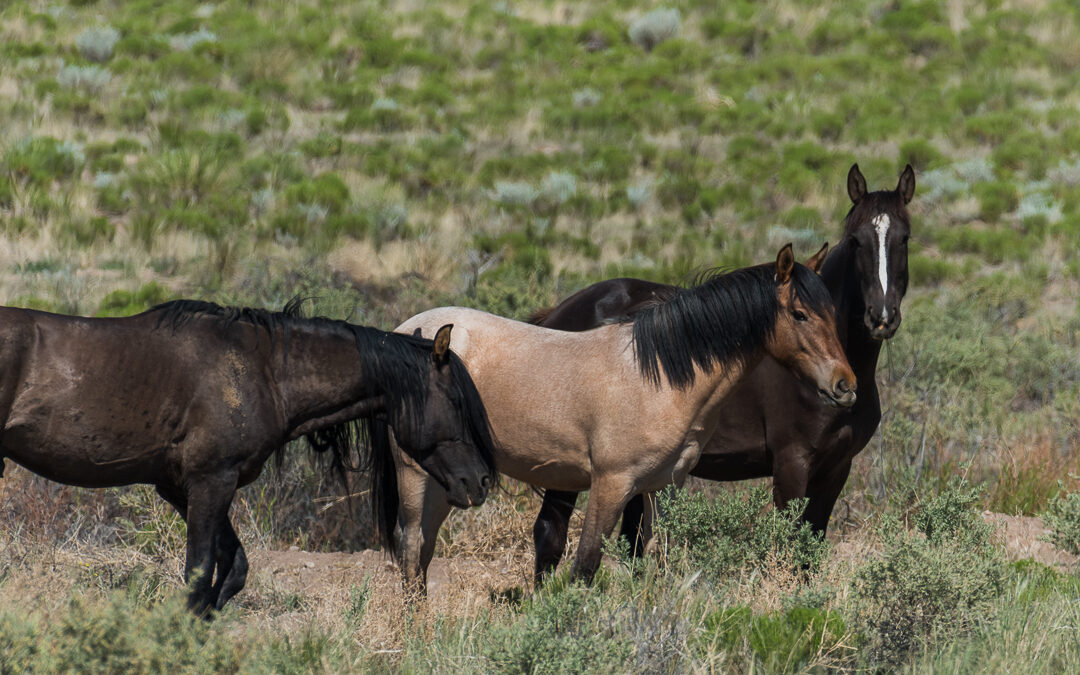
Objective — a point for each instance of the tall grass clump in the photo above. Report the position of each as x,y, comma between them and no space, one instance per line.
735,532
652,28
97,44
932,584
1062,518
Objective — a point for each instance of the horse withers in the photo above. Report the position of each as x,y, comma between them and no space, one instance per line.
625,408
193,398
772,425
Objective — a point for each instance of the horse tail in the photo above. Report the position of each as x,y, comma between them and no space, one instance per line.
539,316
384,486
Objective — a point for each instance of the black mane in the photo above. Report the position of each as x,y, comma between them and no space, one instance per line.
399,363
721,318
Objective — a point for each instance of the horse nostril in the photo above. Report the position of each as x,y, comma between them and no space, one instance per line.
843,387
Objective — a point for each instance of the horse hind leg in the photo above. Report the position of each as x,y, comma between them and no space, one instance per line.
550,530
633,521
232,566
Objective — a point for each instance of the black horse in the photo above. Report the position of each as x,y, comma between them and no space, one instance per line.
772,425
193,398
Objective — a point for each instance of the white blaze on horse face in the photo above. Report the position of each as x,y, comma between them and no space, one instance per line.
881,227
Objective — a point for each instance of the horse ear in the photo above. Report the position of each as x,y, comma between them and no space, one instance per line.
418,333
785,263
856,184
906,186
815,261
440,352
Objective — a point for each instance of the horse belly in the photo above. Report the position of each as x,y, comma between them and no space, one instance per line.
550,473
63,450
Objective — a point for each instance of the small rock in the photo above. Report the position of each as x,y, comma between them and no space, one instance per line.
309,564
294,548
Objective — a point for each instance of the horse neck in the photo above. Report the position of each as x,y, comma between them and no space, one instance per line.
841,278
323,379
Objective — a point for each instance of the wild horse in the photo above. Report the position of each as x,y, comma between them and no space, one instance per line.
625,408
771,425
193,398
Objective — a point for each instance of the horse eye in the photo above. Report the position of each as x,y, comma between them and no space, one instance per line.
799,316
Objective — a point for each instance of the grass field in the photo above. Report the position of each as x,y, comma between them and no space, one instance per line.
387,157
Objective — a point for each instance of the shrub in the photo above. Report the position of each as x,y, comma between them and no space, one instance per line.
188,41
90,79
560,630
652,28
117,635
514,193
326,190
43,159
558,187
996,199
1062,518
732,533
936,583
96,44
125,303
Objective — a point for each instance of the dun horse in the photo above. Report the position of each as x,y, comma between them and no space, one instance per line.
193,398
625,408
771,425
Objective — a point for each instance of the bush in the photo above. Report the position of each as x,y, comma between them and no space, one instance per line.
1062,518
734,533
936,583
43,159
652,28
114,636
560,630
89,79
125,303
326,190
96,44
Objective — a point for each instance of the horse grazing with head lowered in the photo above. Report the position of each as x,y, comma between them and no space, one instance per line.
193,398
625,408
772,425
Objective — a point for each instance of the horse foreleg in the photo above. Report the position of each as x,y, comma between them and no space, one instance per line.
208,500
232,565
422,511
607,497
823,494
550,530
791,474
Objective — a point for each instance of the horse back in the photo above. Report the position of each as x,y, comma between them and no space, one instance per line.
602,303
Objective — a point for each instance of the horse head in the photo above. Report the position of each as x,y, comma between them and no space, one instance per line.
877,229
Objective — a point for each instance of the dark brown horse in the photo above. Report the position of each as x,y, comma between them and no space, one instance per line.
773,425
193,398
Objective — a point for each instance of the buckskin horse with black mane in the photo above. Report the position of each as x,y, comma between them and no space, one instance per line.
625,408
771,424
193,398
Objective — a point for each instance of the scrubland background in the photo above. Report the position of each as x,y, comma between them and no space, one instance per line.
386,157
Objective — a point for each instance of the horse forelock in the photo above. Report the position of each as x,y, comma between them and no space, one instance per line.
884,202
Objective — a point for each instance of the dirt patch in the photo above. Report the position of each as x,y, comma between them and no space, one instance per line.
1024,537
